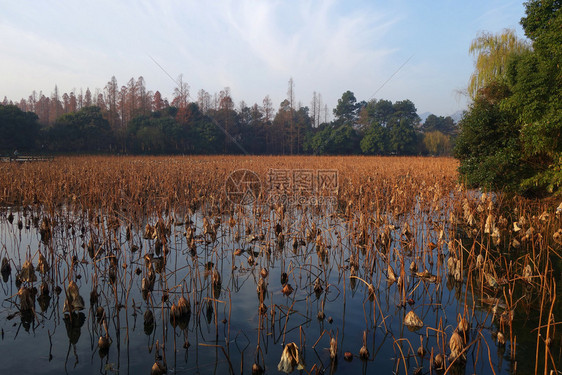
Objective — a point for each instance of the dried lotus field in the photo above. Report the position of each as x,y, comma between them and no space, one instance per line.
264,265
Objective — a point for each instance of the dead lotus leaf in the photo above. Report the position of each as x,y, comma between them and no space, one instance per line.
413,321
427,276
290,358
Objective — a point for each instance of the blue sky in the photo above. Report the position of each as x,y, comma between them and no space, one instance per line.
252,46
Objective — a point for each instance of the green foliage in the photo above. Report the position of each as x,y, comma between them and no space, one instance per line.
82,131
340,140
540,17
511,137
488,146
161,132
375,141
18,130
346,109
207,137
402,137
444,125
389,128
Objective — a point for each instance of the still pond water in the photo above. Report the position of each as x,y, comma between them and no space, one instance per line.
235,275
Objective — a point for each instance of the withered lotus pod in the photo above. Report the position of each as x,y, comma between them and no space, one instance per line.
364,352
439,362
158,368
104,342
257,369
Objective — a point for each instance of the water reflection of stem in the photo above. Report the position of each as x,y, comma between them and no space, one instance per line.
223,351
395,342
547,345
543,288
489,354
375,299
287,319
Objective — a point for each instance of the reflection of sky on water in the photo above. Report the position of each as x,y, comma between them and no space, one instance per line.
134,351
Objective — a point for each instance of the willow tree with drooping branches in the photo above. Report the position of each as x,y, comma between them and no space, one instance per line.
492,52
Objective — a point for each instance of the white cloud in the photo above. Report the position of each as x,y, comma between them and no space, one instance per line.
253,46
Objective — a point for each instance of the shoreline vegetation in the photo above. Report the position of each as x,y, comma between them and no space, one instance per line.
463,270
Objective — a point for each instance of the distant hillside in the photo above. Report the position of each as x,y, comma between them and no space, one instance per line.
457,116
424,116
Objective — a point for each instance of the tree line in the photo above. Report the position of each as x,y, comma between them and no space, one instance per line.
133,120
